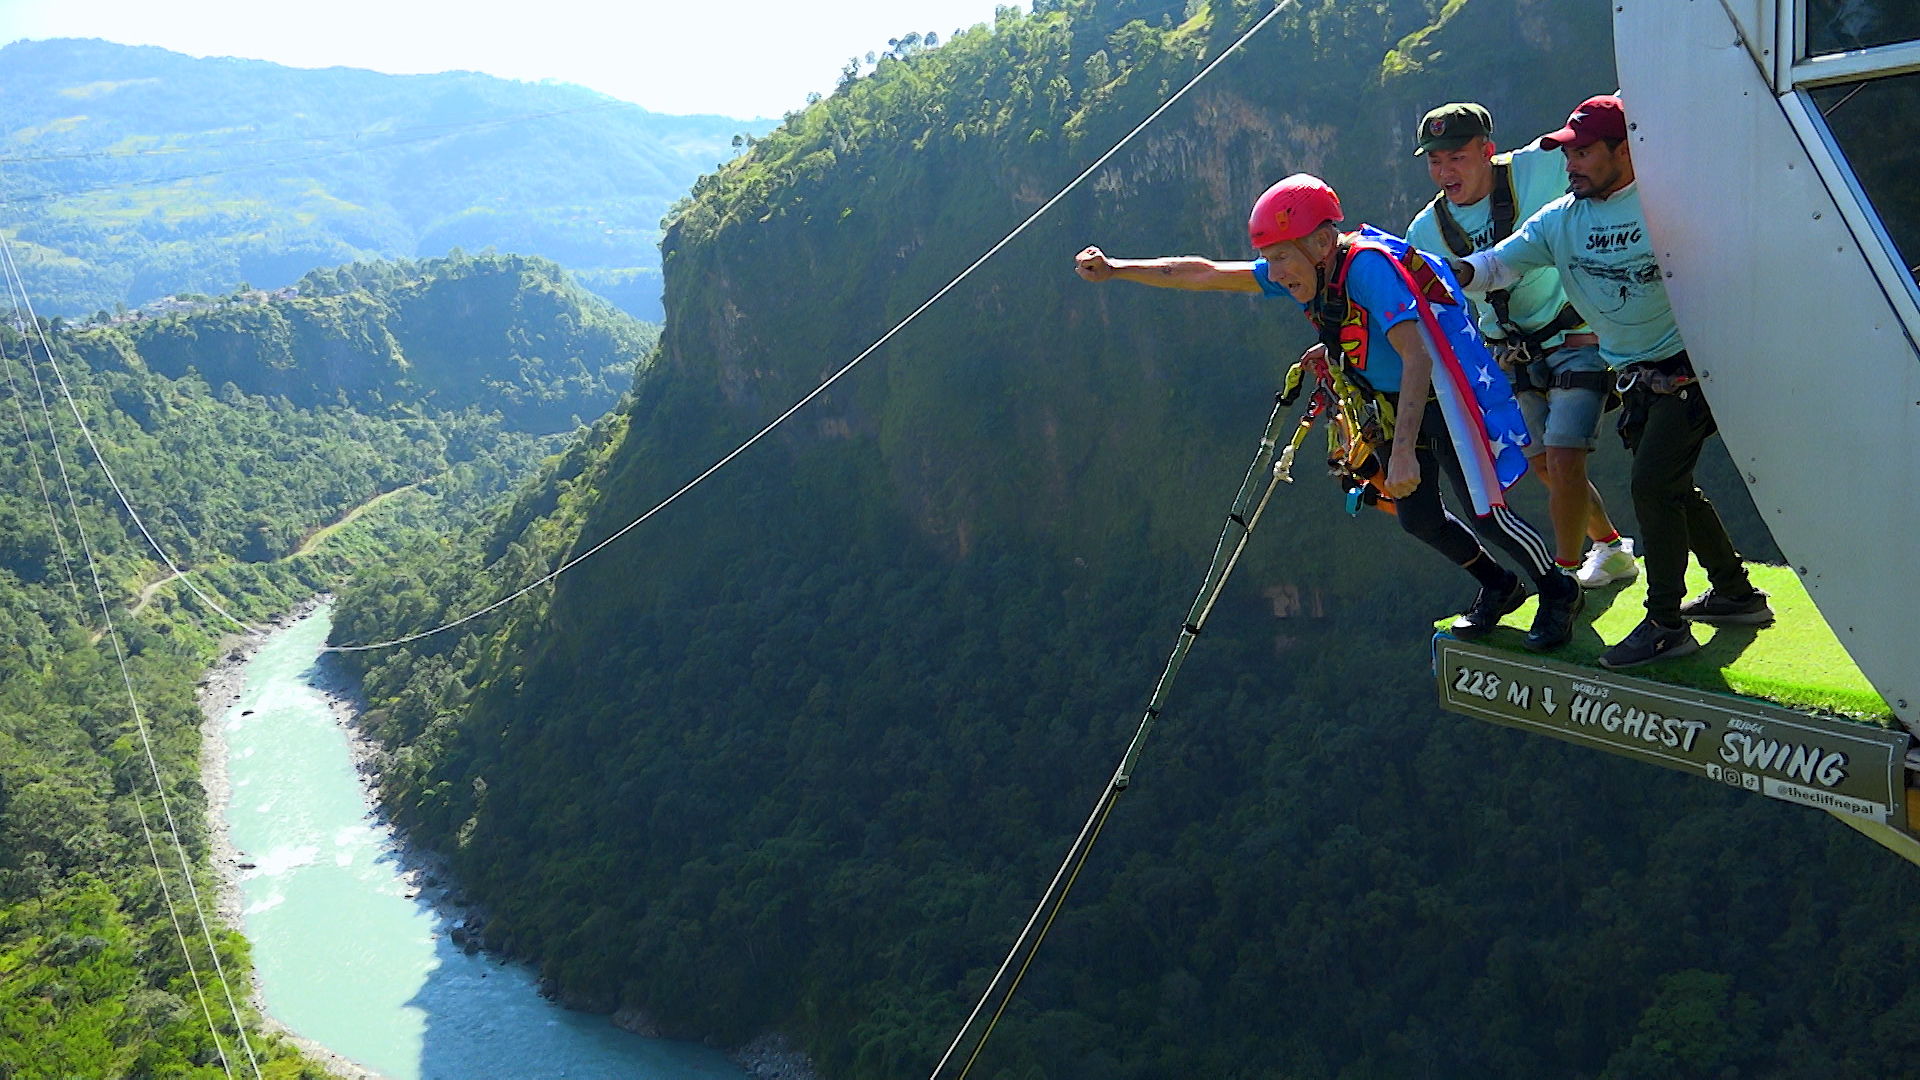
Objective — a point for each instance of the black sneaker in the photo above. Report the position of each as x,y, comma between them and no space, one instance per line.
1488,608
1553,623
1649,642
1715,607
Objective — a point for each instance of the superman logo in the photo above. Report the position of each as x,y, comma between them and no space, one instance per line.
1429,283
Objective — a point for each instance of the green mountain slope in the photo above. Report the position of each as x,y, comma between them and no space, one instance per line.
134,172
230,483
501,334
800,753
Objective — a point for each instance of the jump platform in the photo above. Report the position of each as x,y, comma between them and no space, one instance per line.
1778,710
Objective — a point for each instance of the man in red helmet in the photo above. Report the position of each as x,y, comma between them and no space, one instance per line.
1376,319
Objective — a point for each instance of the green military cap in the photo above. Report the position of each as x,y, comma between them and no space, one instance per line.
1453,125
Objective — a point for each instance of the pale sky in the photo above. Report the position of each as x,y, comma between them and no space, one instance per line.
742,58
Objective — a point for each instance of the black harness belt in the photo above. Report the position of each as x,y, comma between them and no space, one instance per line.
1505,212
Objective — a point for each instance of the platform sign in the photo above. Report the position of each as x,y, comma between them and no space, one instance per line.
1796,757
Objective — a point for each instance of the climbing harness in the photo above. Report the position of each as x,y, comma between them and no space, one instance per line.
1640,384
1654,380
1524,346
1482,417
1361,417
1268,471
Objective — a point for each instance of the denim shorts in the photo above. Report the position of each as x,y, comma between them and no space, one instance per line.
1566,418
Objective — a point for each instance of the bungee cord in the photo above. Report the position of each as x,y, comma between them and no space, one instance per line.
777,421
46,347
16,288
1248,506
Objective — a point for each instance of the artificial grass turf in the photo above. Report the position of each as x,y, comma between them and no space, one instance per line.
1797,661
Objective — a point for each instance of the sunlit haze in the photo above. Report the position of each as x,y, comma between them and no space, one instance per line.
742,58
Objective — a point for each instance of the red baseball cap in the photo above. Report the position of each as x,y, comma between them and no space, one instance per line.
1597,118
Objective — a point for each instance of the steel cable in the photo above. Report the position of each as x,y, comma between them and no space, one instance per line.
576,560
146,743
46,347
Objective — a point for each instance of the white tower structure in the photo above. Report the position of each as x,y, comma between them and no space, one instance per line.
1777,145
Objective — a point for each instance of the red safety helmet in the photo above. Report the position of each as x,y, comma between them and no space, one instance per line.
1291,209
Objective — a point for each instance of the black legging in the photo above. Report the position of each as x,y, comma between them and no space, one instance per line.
1423,515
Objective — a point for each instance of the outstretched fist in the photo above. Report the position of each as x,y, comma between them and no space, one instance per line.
1092,264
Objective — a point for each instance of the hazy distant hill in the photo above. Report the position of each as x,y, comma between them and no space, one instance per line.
131,173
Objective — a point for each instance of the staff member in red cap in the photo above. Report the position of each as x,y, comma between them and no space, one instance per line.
1597,238
1377,326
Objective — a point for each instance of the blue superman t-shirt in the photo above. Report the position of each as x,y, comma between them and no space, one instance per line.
1374,285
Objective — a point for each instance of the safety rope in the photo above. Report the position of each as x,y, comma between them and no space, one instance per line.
16,290
844,369
1263,476
22,300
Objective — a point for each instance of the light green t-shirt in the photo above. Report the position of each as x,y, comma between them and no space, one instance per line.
1607,266
1539,177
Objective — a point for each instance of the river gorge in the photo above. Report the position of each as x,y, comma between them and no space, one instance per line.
353,943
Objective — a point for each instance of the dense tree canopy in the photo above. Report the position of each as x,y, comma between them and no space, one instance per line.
799,754
498,333
237,487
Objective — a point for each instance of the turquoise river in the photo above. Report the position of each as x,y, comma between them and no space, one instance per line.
347,957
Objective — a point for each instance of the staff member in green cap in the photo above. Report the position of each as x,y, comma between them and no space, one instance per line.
1597,237
1540,340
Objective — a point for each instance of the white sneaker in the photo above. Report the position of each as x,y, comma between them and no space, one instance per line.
1608,563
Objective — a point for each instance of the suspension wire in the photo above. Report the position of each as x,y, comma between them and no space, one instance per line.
53,436
16,282
576,560
39,475
133,700
46,347
173,915
1248,505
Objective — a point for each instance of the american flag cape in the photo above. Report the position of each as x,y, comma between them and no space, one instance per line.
1483,417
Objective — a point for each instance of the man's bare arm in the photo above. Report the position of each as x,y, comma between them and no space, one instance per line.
1416,379
1190,272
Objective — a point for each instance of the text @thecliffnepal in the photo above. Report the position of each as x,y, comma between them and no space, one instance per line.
1797,764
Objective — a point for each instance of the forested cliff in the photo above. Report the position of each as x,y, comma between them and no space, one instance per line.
493,333
240,486
800,753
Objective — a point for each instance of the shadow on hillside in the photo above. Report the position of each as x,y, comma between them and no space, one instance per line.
486,1019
